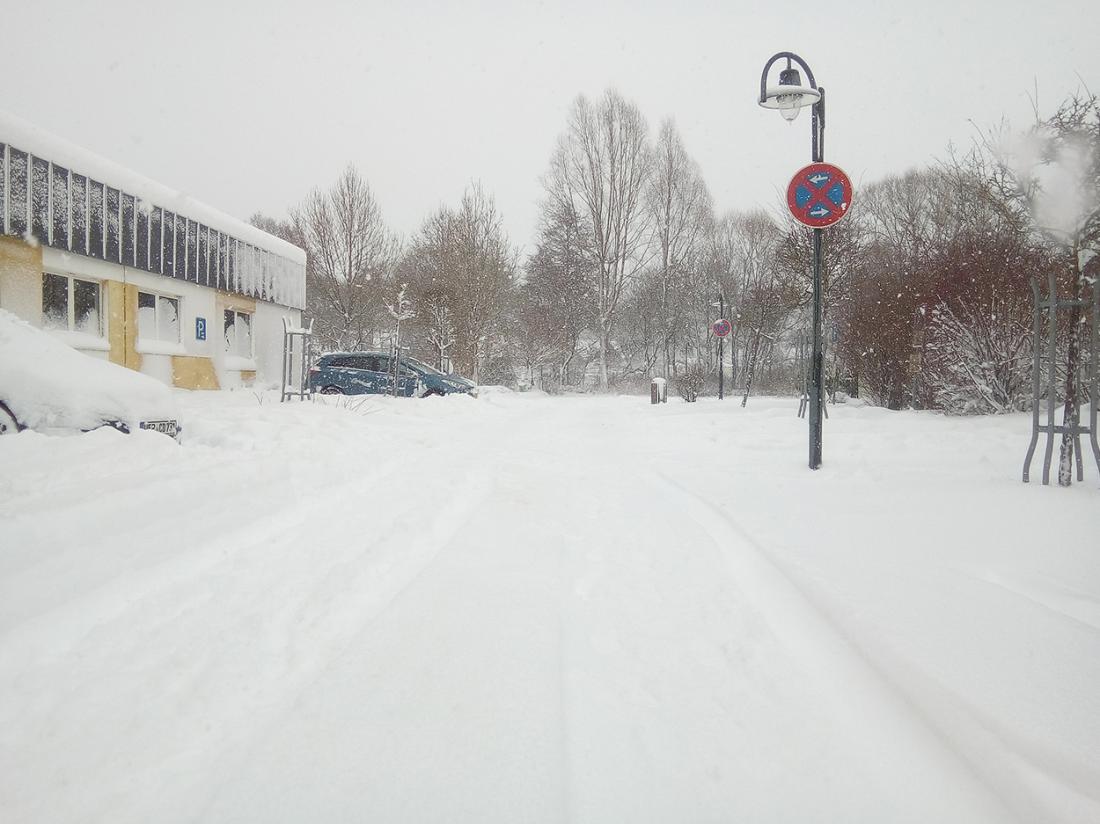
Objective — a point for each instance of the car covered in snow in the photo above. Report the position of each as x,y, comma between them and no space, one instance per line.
48,386
371,373
435,382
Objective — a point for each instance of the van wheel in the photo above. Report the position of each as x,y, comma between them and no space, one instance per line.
8,424
431,392
331,390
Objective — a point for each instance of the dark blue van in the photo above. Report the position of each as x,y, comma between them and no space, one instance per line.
371,373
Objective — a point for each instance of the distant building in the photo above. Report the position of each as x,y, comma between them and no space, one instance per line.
125,269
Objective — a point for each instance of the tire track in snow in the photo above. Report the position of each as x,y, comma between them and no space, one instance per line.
191,600
430,678
359,615
804,624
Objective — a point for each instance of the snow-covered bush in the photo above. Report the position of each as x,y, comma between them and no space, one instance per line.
979,357
689,384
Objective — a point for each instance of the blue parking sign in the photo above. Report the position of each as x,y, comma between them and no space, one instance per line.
200,328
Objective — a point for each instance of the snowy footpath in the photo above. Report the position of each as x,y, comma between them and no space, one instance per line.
521,608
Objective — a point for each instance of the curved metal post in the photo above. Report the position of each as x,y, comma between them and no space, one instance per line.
817,155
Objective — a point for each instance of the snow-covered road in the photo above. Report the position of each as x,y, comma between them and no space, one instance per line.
524,608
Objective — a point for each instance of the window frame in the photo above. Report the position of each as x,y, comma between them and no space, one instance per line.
70,303
231,351
157,298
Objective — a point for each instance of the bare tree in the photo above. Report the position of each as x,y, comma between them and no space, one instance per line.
461,271
680,211
427,266
600,170
557,297
350,252
767,291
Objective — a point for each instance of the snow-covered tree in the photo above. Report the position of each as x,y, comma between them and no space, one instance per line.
680,213
461,272
1054,172
599,171
349,254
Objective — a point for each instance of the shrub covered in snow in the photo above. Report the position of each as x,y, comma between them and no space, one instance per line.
690,383
979,357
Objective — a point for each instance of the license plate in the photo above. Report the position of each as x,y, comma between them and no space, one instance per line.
169,428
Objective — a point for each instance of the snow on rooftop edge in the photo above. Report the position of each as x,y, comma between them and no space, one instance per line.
25,136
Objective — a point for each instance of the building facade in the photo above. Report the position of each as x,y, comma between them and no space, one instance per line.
125,269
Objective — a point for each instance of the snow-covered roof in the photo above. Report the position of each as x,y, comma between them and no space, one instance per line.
27,137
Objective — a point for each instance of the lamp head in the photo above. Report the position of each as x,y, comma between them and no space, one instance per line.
790,95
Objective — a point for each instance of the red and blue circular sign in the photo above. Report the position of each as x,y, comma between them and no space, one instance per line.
819,195
722,327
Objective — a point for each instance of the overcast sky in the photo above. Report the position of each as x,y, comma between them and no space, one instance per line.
248,106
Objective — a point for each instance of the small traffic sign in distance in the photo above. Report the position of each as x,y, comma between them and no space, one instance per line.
722,327
819,195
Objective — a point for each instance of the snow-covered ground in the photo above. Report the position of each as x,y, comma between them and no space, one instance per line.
522,608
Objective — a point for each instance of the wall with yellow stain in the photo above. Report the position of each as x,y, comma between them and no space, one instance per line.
21,279
193,372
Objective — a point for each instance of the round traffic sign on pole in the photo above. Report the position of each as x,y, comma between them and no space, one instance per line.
819,195
722,327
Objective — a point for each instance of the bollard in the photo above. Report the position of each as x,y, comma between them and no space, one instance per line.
658,391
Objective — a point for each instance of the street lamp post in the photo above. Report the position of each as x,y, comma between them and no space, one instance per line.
789,96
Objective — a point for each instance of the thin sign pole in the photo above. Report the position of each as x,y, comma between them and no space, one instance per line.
817,362
721,351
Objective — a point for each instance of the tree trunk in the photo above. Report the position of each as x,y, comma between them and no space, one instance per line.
751,367
1071,412
605,344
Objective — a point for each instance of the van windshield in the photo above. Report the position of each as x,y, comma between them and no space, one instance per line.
416,364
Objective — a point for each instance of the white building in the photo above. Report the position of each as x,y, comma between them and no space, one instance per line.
125,269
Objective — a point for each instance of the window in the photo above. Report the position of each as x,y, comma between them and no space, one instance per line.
96,218
71,304
141,222
181,248
79,240
113,229
158,317
60,208
204,256
168,245
193,251
18,186
40,199
223,280
128,230
156,228
238,333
